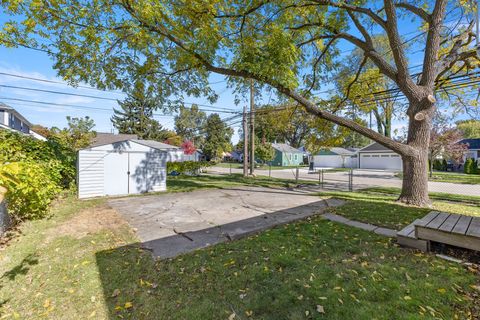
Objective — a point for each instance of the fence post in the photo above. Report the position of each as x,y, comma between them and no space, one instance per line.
270,169
230,168
321,178
350,180
296,176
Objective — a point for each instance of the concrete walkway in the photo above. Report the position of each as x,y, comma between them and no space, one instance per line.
364,226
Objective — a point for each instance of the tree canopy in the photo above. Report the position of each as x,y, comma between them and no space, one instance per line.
291,46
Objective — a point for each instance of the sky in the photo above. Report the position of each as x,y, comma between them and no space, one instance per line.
99,105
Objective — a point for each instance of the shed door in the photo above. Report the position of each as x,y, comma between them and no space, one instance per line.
116,173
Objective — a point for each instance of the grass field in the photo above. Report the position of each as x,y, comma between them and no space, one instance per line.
84,263
454,177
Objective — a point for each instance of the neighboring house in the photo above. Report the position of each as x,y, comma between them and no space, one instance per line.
121,168
376,156
12,120
237,155
286,155
335,158
102,138
473,148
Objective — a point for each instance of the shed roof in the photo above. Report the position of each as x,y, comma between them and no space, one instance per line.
283,147
335,151
155,144
375,147
103,138
472,143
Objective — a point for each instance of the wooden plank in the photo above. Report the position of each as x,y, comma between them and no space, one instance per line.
462,225
437,222
454,239
451,221
408,230
474,228
414,243
429,217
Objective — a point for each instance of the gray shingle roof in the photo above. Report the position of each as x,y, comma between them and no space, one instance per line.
104,138
376,147
336,151
155,144
283,147
472,143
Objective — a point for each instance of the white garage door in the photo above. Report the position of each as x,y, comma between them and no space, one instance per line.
328,161
381,161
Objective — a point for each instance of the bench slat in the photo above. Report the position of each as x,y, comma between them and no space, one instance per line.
462,225
451,221
474,228
426,220
437,222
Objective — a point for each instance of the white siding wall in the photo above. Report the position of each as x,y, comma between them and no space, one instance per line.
90,171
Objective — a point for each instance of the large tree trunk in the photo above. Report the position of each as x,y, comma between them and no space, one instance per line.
415,164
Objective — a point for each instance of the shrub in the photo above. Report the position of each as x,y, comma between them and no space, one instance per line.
444,165
30,189
468,166
186,167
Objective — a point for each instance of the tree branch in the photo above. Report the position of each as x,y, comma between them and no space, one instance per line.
415,10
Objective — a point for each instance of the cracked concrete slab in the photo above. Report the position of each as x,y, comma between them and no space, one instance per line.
176,223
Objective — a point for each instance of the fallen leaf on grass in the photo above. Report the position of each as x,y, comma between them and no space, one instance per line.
441,290
407,298
320,309
128,305
232,316
115,293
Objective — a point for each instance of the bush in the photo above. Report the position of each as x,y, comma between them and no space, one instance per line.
30,189
468,166
186,167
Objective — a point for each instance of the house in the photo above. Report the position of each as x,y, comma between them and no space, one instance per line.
286,155
237,155
335,158
12,120
121,168
102,138
376,156
473,148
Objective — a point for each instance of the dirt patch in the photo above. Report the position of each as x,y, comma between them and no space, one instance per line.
88,221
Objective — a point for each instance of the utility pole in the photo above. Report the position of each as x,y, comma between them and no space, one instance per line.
252,127
245,142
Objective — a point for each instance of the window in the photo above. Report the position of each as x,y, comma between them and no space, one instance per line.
290,156
366,156
375,156
296,157
395,156
384,155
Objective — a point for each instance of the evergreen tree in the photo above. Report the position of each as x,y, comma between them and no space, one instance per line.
217,137
136,116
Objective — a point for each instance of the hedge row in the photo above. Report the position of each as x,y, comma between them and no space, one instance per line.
33,173
186,167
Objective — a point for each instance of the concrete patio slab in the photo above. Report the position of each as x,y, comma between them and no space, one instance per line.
172,224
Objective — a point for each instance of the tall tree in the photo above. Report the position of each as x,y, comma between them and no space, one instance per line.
189,122
217,137
287,45
136,115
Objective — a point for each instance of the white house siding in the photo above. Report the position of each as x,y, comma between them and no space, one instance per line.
90,173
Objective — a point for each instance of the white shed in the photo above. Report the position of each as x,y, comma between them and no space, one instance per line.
121,168
376,156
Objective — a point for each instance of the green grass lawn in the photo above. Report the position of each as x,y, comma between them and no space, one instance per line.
454,177
83,263
377,206
190,183
236,165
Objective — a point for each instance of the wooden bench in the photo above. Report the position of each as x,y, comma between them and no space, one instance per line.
453,229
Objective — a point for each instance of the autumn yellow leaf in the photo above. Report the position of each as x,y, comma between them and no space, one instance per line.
128,305
407,298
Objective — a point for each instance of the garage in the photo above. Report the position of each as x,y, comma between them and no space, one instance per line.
377,157
121,168
335,158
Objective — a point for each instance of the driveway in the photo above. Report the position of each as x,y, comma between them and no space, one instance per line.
175,223
361,179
